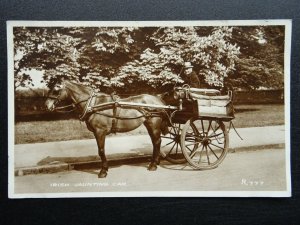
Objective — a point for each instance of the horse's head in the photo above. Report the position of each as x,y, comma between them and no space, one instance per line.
56,94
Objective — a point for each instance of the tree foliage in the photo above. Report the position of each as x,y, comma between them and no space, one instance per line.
149,59
261,61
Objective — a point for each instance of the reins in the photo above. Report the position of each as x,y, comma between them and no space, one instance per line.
90,109
59,109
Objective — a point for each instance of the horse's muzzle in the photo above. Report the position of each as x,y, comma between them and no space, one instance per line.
51,109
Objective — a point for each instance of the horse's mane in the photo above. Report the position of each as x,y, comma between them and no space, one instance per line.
82,87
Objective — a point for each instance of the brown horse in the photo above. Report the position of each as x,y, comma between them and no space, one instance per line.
105,120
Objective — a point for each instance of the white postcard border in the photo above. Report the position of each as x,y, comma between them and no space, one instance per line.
10,55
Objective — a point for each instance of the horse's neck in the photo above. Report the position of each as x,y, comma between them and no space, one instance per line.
78,94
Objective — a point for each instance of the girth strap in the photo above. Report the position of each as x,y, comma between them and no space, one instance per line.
115,120
116,112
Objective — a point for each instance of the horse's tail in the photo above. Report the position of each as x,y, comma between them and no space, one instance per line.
164,127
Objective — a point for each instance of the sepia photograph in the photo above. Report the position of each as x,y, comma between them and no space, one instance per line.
149,109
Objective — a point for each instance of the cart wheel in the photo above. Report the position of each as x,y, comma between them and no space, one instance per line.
204,143
170,146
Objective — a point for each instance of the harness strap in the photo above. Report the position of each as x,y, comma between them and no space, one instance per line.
88,108
145,114
73,105
115,120
57,109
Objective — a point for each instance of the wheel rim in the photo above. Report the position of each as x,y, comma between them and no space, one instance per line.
170,147
205,143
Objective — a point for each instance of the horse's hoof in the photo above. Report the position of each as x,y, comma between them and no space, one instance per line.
152,167
102,174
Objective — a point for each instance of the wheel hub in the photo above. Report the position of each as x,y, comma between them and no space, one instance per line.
206,141
177,138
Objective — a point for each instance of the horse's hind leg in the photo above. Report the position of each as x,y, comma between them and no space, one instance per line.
100,138
154,132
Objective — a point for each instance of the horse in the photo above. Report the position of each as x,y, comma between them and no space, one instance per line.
106,120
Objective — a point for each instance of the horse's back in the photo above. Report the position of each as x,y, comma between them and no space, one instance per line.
145,99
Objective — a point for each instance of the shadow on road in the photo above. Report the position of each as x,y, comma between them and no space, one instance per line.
163,164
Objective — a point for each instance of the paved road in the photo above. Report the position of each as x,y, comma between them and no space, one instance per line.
262,170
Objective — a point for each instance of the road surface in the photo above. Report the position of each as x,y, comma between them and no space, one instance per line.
262,170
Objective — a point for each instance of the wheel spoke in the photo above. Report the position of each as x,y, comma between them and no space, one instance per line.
189,148
168,143
173,128
191,134
208,126
190,139
195,142
202,126
171,148
207,155
219,140
212,151
204,142
217,146
173,133
176,132
193,153
200,154
215,135
168,138
216,128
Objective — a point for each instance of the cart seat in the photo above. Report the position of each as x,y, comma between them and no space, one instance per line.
204,91
207,97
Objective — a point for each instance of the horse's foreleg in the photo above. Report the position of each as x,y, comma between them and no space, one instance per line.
100,138
154,133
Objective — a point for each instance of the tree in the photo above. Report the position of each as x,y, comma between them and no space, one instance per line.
213,57
261,61
150,58
82,54
41,49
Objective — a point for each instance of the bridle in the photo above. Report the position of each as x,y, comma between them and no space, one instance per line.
57,100
63,109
